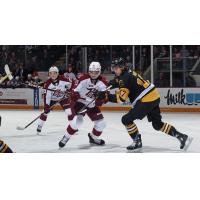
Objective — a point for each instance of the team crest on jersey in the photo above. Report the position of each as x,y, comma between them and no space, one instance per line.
58,93
121,83
91,92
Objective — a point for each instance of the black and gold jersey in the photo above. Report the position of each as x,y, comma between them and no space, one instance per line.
4,148
131,85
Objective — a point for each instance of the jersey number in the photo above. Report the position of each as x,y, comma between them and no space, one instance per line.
141,81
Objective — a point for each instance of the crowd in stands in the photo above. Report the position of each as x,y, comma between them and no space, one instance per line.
26,61
178,51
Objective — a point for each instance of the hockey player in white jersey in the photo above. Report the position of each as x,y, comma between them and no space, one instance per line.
57,89
88,87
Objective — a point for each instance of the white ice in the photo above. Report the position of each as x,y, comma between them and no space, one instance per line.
115,135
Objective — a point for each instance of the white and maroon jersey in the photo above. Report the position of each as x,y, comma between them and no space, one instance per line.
70,75
60,87
88,88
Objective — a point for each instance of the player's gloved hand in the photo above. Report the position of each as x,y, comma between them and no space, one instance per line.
114,83
33,85
75,96
46,109
102,95
67,94
99,103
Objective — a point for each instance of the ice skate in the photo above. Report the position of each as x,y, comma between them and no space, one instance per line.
95,140
63,141
137,144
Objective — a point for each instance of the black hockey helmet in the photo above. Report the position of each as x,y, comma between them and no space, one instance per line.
118,62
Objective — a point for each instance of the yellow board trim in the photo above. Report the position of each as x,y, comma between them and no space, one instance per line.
116,108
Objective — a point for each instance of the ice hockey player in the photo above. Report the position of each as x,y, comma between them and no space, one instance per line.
56,88
4,148
87,89
145,100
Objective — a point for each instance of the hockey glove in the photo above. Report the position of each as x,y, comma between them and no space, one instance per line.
102,95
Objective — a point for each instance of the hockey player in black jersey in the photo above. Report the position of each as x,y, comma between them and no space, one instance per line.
145,100
4,148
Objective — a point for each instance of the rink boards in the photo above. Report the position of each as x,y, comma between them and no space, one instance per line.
172,100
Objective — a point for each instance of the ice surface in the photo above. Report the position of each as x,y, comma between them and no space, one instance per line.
115,135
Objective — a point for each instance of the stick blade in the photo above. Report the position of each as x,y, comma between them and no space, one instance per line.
20,128
8,72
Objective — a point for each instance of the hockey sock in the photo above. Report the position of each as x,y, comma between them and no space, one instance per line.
4,148
8,150
70,131
67,135
43,117
95,133
132,130
68,113
168,129
42,120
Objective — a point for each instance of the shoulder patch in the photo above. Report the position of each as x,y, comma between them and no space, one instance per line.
63,78
47,83
84,77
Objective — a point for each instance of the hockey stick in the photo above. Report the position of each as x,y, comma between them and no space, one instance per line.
84,109
40,87
8,74
22,128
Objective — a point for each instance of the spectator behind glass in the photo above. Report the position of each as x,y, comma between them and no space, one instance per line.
128,62
176,53
37,80
184,52
29,80
163,52
19,71
69,73
15,83
162,81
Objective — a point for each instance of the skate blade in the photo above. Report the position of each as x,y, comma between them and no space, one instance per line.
140,150
40,134
96,145
188,143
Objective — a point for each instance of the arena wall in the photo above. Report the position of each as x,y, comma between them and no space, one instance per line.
172,100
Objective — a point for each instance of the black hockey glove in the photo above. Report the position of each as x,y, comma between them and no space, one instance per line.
102,95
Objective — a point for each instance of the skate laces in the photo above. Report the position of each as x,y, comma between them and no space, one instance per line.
65,139
39,127
95,138
135,141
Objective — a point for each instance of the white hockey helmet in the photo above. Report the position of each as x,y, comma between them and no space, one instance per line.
53,69
95,67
